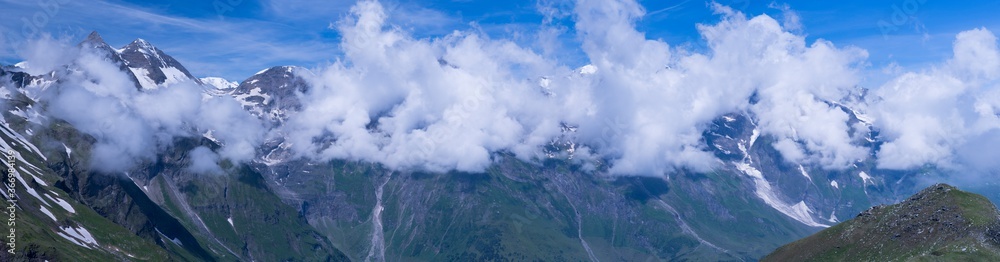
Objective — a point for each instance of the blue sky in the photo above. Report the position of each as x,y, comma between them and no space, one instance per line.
236,38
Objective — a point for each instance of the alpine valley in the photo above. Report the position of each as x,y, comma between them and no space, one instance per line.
283,207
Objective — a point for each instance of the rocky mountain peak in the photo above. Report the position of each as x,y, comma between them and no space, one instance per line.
147,65
219,83
271,93
152,67
95,41
94,38
142,43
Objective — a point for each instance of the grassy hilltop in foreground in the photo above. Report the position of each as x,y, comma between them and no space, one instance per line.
940,223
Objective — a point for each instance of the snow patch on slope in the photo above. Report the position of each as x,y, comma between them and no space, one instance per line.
47,213
23,141
219,83
804,173
71,239
800,211
69,151
833,217
172,240
865,178
62,203
143,76
33,176
80,236
173,75
31,191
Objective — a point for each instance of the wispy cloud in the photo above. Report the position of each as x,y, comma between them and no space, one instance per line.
667,9
232,47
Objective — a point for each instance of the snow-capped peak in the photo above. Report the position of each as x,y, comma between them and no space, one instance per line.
277,69
219,83
143,43
152,67
148,50
271,93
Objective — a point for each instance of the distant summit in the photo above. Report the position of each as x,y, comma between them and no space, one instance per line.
147,65
938,223
271,93
94,38
152,67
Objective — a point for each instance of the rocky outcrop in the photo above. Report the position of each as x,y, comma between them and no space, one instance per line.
938,223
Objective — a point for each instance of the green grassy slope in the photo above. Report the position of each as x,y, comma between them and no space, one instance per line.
940,223
38,233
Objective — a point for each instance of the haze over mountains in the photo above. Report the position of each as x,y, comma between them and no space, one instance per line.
465,147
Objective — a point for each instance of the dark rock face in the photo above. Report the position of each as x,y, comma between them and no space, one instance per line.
18,79
940,222
120,200
265,224
726,134
94,41
33,252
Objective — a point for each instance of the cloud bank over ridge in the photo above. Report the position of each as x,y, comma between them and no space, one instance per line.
448,103
97,98
453,102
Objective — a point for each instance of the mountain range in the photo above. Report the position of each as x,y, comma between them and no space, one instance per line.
283,207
